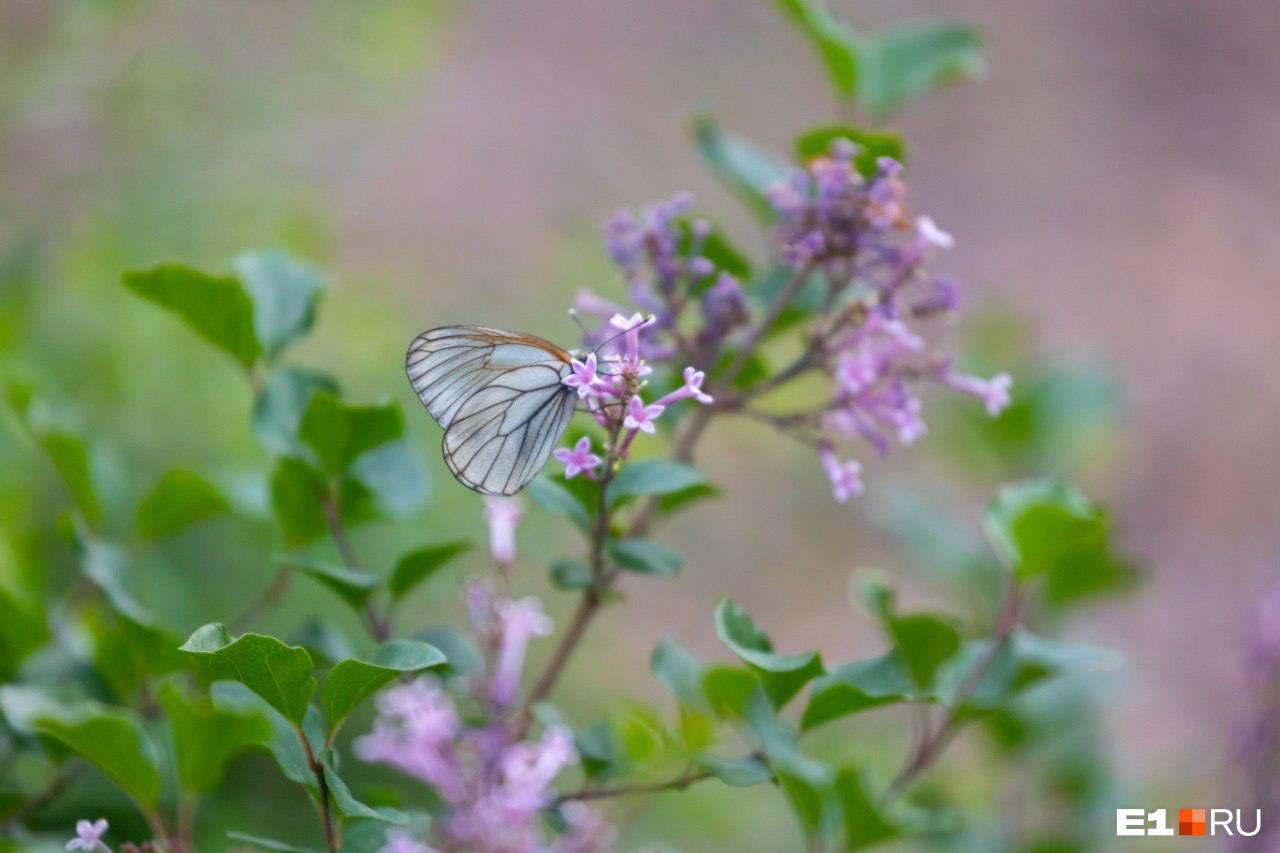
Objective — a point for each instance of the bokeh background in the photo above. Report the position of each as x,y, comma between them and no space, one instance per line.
1112,185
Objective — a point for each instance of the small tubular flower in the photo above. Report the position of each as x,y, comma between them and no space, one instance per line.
89,835
503,515
579,459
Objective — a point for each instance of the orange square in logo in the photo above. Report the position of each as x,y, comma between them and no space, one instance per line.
1191,821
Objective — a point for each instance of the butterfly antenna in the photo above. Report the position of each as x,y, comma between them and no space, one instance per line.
646,321
573,315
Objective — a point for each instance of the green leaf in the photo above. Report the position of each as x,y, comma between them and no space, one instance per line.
284,292
836,45
1021,662
286,747
924,640
216,307
1049,528
23,624
351,586
736,772
128,654
418,565
338,433
279,673
352,681
179,499
70,455
278,408
905,62
646,557
872,145
111,739
296,490
783,675
553,496
679,672
858,686
728,688
864,823
206,738
686,497
746,170
570,575
653,477
106,565
396,476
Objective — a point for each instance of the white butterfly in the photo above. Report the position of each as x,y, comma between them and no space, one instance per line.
499,397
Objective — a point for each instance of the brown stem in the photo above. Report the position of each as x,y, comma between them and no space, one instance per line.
379,625
322,787
185,824
932,745
677,784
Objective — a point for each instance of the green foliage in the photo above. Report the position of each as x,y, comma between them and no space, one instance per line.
339,433
216,307
1049,529
905,62
352,681
864,822
835,45
924,641
646,557
884,71
717,248
206,739
552,495
653,477
737,772
745,169
23,624
782,675
728,689
111,739
179,499
420,564
353,587
858,686
280,674
277,411
284,292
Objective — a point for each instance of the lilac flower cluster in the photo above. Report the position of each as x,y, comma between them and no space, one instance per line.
612,395
855,231
851,231
493,783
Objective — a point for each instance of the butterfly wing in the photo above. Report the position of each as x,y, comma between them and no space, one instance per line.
499,397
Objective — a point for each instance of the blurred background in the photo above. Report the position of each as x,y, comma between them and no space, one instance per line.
1111,184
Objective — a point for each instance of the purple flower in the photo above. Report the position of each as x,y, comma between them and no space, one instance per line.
414,733
846,477
583,377
932,235
503,515
641,417
993,392
578,460
945,297
690,390
519,621
89,835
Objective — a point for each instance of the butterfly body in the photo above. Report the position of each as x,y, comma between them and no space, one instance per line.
500,398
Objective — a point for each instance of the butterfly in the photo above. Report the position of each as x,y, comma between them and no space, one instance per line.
500,398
